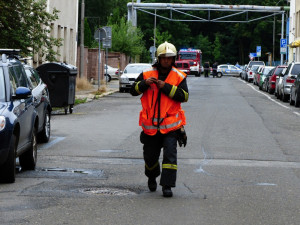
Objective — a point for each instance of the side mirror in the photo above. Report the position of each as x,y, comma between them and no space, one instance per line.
22,93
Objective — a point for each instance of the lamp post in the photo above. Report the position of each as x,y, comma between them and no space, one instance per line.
81,74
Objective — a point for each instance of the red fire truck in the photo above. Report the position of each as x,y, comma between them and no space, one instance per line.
194,57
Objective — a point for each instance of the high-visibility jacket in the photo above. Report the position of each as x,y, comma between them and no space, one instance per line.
159,111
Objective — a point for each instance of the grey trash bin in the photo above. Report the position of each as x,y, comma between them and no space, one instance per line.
61,81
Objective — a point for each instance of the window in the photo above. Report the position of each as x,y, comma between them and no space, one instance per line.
34,83
13,80
20,76
296,69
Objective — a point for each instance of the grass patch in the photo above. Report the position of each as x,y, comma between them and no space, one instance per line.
80,101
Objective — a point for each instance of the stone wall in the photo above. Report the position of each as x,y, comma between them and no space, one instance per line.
91,56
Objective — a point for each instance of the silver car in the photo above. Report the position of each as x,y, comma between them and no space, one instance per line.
287,79
131,72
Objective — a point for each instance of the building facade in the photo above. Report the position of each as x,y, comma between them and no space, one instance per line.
294,31
66,27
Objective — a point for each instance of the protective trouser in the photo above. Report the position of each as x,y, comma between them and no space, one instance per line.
152,148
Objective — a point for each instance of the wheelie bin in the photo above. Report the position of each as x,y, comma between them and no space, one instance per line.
61,81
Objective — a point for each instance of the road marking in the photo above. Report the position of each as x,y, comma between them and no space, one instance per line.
51,143
271,99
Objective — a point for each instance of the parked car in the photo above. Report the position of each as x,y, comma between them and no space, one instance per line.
228,70
288,77
18,119
184,66
111,73
271,82
263,75
256,71
250,73
41,101
131,72
295,92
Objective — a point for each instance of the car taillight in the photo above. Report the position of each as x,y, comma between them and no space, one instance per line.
289,80
117,72
250,73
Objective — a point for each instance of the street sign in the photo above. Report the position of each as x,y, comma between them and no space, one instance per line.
252,55
283,45
258,51
99,33
107,40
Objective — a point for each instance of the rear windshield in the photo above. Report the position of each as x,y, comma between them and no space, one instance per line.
2,86
278,71
256,63
267,70
296,69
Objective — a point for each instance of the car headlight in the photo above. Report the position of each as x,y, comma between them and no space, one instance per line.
2,122
124,80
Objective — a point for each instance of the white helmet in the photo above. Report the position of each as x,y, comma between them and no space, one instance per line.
166,50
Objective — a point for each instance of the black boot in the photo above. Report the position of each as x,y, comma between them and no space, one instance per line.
167,192
152,185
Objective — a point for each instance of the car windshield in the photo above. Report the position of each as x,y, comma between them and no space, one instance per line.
2,87
188,55
296,69
136,68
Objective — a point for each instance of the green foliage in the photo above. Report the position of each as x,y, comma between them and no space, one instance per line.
87,34
126,38
161,37
25,24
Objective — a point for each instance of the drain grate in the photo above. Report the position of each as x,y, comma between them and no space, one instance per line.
108,191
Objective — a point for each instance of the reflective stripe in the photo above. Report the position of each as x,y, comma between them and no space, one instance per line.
137,88
186,95
172,92
168,126
169,166
178,72
151,168
156,120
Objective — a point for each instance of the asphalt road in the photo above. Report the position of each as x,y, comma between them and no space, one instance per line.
241,164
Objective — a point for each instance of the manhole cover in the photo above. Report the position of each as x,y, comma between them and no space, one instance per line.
108,191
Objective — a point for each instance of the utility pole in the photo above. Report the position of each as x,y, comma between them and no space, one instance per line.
82,41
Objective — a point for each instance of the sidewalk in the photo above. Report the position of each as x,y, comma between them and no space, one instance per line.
93,93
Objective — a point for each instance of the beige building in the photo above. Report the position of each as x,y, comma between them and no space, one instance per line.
66,27
294,31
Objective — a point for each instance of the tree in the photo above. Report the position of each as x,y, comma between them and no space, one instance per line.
88,41
127,39
25,25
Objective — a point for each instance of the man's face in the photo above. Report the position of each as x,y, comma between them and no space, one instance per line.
166,62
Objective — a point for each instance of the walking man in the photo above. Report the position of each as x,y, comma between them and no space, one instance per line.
163,88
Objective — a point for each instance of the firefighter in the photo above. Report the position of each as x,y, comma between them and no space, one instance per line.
163,88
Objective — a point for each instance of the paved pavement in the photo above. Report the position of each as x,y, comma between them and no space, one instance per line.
93,93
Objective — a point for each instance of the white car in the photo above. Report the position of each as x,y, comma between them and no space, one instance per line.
131,72
110,73
228,70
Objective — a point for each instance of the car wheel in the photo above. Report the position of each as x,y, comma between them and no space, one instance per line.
291,100
297,102
219,75
28,159
71,109
44,135
260,87
107,77
8,169
284,97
